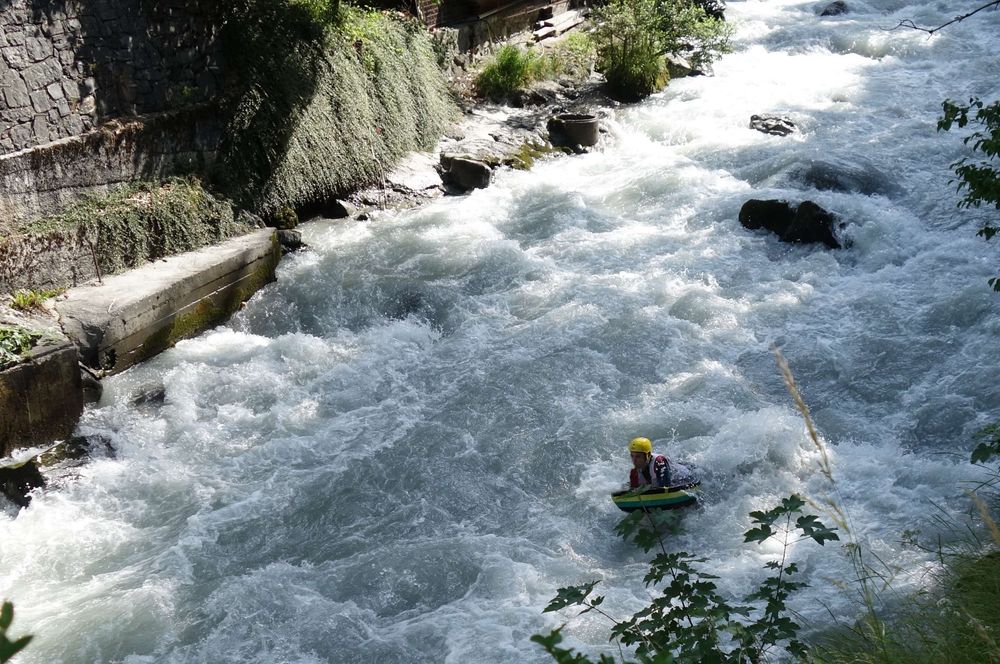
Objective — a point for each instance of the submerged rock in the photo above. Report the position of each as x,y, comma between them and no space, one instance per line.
835,8
17,480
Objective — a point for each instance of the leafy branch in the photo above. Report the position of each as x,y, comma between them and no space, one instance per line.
690,621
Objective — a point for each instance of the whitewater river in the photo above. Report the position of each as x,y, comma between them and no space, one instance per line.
399,450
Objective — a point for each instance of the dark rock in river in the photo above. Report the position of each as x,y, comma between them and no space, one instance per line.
290,240
467,174
714,8
772,124
18,480
835,8
805,223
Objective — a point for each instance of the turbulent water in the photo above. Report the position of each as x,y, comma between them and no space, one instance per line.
399,450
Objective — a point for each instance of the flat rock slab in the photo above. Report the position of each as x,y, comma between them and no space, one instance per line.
135,315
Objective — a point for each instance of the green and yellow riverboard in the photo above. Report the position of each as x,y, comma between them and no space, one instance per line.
668,498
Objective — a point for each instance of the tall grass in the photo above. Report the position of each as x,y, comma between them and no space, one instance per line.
956,621
510,70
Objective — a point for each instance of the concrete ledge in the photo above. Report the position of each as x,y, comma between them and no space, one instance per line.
136,315
40,398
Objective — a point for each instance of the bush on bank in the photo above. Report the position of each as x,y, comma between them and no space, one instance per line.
634,36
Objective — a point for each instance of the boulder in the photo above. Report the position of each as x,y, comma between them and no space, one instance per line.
772,124
679,67
804,223
467,174
340,209
835,8
714,8
290,240
17,480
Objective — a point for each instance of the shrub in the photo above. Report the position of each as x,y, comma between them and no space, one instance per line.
689,622
9,648
980,180
633,36
510,70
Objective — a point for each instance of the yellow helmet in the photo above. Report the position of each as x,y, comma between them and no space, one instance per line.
644,445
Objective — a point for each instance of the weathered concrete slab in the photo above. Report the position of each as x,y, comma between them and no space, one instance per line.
40,398
136,315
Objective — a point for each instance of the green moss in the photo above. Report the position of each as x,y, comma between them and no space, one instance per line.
525,157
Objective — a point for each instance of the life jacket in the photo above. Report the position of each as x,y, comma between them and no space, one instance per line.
655,473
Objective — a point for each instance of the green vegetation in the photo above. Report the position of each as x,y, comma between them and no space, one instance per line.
321,108
689,622
9,648
634,36
511,69
29,300
979,180
140,223
15,342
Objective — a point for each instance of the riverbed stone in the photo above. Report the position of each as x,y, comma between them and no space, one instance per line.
775,125
467,173
802,223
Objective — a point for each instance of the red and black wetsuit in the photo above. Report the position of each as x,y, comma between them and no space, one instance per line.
655,473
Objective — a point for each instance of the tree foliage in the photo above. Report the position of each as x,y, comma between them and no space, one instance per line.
633,36
978,179
690,621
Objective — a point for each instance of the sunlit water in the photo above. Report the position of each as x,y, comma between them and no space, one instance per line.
398,451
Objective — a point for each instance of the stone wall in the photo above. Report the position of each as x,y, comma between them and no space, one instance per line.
66,66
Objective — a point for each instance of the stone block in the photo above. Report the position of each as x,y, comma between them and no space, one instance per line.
13,56
15,92
71,90
55,91
40,74
40,398
38,48
40,101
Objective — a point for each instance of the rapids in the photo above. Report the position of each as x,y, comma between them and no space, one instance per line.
399,450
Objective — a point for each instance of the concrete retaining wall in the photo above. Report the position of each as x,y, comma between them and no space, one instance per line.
136,315
40,398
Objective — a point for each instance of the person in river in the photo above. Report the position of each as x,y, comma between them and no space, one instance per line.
652,469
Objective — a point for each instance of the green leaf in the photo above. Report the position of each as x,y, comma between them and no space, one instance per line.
758,534
6,616
812,527
570,596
